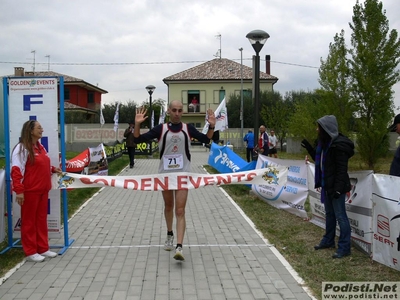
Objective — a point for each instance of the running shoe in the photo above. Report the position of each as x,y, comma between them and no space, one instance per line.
169,243
179,254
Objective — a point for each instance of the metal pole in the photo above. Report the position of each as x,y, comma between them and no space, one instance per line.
151,110
241,96
256,96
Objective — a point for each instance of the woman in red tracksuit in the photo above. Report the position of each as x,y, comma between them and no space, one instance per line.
30,173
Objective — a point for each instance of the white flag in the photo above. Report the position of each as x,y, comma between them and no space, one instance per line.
116,117
221,115
102,122
162,116
152,119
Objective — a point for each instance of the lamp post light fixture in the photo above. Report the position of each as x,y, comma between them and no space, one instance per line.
257,39
150,89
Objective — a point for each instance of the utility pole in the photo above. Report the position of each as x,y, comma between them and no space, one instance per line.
34,60
241,95
48,62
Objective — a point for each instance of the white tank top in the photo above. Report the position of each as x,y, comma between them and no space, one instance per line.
174,150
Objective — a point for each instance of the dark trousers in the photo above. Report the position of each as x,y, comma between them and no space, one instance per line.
249,154
131,153
335,211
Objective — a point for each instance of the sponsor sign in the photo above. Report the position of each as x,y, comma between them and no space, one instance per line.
36,98
170,181
386,224
291,197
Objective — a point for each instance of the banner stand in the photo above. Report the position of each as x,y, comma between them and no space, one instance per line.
67,242
15,244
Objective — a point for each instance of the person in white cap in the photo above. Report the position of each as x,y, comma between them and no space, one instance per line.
395,166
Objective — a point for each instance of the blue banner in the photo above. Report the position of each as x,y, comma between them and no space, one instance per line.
224,160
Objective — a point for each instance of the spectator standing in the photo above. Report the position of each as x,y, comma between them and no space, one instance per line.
31,181
263,142
130,143
174,141
395,165
331,157
249,139
272,144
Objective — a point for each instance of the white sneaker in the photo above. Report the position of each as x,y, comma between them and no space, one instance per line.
49,253
169,243
35,257
179,254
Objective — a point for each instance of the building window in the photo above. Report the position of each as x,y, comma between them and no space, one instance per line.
197,125
90,98
66,94
246,93
193,101
221,95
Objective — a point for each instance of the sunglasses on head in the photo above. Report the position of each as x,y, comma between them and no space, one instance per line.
176,110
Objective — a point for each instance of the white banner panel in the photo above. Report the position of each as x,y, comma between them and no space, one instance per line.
358,206
98,164
272,176
35,98
386,225
359,209
293,196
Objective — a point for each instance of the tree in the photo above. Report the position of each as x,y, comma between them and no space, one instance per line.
276,112
127,111
375,57
233,108
334,78
307,110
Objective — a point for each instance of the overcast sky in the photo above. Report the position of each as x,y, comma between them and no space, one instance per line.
123,46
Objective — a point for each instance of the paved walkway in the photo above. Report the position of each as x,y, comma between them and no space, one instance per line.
118,252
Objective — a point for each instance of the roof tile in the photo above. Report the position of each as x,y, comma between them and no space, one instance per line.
217,69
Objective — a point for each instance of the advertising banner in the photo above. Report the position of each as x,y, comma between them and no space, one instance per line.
386,225
291,197
358,207
171,181
224,160
35,98
98,164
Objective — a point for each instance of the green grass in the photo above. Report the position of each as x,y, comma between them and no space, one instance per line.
295,238
292,236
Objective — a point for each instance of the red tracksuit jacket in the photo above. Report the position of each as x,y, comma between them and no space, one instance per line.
27,177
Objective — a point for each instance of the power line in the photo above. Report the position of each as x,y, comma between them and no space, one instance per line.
142,63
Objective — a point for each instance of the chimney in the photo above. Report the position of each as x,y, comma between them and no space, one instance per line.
19,71
268,64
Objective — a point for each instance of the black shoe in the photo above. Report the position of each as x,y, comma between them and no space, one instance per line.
340,255
131,166
323,246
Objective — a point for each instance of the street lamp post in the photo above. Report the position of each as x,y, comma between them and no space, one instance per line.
150,89
241,95
257,39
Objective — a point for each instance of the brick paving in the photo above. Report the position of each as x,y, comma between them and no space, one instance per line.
118,251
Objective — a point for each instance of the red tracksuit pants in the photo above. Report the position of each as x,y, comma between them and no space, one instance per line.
34,234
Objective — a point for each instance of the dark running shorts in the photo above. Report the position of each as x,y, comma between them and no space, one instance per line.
272,151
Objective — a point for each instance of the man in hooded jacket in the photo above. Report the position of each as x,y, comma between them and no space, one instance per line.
331,156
